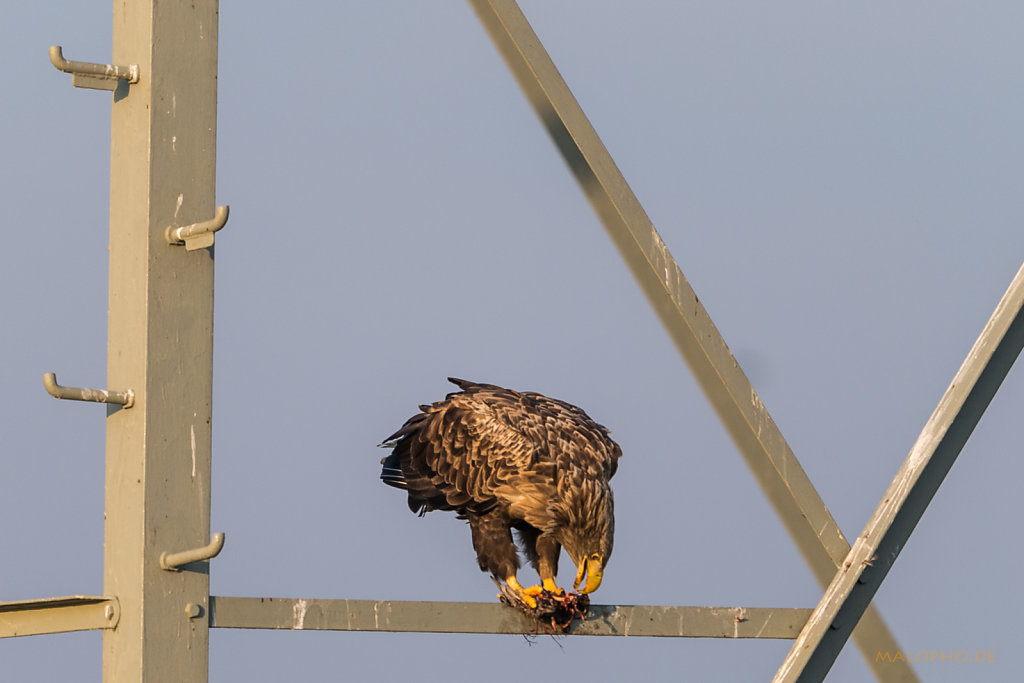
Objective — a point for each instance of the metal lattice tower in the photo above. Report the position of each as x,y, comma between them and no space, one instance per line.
156,610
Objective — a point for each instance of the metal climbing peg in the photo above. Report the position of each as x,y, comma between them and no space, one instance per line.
90,75
123,398
198,235
171,561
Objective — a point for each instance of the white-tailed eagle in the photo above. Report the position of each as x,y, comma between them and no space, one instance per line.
506,460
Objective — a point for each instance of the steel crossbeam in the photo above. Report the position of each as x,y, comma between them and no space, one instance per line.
58,615
492,617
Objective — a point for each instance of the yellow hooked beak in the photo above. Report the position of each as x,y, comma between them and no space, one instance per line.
592,568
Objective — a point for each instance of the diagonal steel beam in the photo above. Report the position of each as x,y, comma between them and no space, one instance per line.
727,388
903,504
492,617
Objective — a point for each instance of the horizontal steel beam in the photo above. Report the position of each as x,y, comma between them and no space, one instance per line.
486,617
58,615
904,502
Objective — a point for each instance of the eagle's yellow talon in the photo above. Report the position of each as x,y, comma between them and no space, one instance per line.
552,587
525,594
530,601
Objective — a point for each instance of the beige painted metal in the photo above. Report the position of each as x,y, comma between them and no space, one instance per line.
160,339
727,388
123,398
58,615
904,502
198,235
95,76
173,561
492,617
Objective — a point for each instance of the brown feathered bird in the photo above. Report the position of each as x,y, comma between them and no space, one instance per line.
506,460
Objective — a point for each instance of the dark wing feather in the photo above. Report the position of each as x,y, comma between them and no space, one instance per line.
568,432
456,454
486,445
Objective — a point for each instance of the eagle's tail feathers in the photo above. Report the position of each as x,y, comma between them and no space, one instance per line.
391,471
393,477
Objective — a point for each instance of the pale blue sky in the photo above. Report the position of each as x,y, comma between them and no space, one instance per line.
841,183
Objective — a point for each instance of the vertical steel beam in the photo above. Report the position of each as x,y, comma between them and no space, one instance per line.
727,388
160,344
903,504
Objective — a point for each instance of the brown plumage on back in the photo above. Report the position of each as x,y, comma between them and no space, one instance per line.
502,460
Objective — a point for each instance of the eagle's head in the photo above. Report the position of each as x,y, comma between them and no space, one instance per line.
583,522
